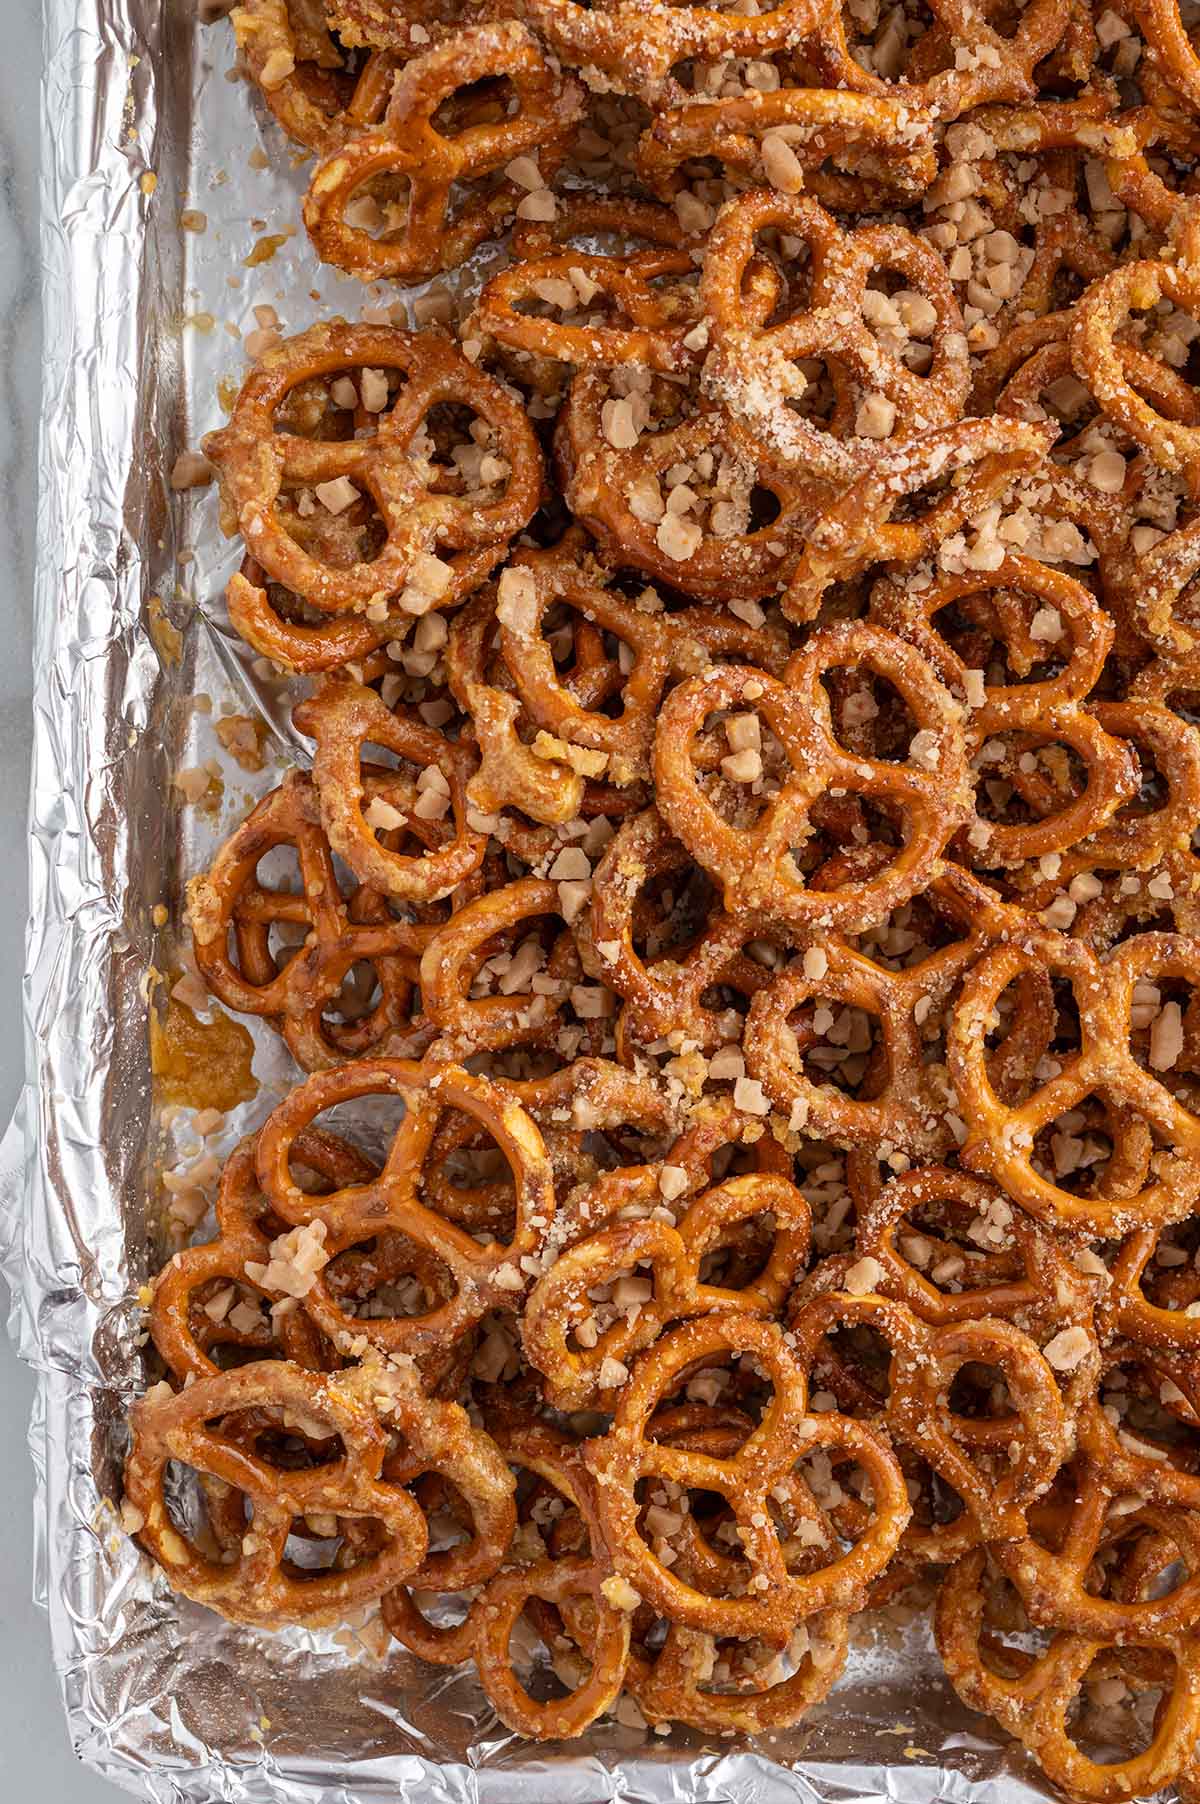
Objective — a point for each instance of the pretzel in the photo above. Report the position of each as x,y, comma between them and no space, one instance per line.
341,717
617,1461
1052,1581
338,933
1101,314
859,529
984,64
255,461
676,1689
662,996
538,777
561,1300
261,1586
1037,713
1033,1440
409,148
752,367
270,618
1032,1697
486,1632
1000,1137
742,560
663,647
184,1331
655,321
637,46
452,960
906,1103
885,145
486,1276
304,79
755,865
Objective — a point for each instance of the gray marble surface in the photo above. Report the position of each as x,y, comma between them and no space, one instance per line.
37,1760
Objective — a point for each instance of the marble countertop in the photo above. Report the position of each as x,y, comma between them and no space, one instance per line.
38,1760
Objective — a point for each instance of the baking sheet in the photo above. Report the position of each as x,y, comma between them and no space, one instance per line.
144,116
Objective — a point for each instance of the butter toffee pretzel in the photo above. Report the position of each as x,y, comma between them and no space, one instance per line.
743,906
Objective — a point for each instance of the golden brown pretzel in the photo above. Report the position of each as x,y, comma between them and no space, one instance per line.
755,865
752,368
261,1585
428,163
255,460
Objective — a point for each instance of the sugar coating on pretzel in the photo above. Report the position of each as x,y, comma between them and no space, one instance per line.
744,907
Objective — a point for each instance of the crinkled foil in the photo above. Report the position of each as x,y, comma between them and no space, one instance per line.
143,118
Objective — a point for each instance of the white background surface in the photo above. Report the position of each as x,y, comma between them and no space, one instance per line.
37,1765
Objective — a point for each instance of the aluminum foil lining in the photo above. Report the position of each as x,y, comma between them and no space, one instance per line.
144,116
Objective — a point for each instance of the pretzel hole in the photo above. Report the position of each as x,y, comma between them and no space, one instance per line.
880,36
354,533
209,1515
1171,1277
870,715
1096,1149
1027,778
387,1277
230,1322
741,1254
1146,1409
1112,1716
838,1044
1164,1029
488,101
379,207
464,452
900,318
851,1370
366,1124
990,631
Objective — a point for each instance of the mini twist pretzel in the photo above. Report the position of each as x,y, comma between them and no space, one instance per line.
663,646
637,46
1039,712
1053,1582
744,560
544,780
1001,1137
1035,1285
254,461
339,933
318,102
924,1361
1032,1699
261,612
410,147
560,1300
859,529
1100,316
261,1585
984,65
184,1332
775,1599
755,865
654,321
562,1582
677,1688
885,145
905,1108
662,996
487,1275
453,957
342,716
752,367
